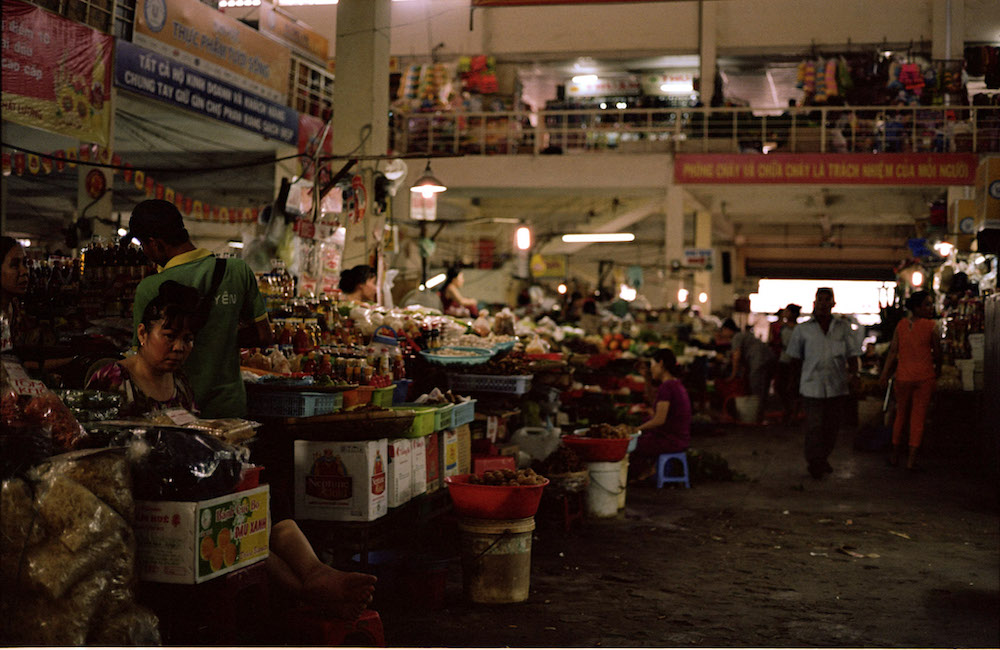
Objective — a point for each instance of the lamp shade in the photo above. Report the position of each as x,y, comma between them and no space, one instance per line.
428,184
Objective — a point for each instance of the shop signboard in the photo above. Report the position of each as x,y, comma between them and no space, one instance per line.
827,169
548,266
594,86
56,73
157,76
668,83
298,35
699,259
214,44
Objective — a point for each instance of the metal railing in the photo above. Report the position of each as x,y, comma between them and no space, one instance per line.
828,129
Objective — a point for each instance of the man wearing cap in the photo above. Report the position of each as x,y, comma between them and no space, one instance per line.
214,365
825,352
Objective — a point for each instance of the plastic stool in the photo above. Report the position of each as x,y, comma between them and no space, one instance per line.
661,469
572,509
308,627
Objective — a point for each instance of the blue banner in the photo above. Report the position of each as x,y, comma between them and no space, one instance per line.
151,74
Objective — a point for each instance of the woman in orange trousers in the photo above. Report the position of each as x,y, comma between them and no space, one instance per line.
915,355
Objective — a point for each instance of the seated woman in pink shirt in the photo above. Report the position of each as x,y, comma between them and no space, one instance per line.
915,355
669,430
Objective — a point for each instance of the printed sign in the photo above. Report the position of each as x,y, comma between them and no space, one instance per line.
155,75
604,87
56,73
699,258
548,266
828,169
214,44
296,34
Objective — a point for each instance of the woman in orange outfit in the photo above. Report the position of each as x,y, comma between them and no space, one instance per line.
915,355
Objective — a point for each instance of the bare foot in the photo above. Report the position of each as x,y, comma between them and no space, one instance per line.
345,595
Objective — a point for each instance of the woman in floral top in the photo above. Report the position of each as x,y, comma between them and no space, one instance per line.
153,378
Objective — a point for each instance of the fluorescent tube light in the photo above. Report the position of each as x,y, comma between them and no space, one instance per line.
598,237
435,281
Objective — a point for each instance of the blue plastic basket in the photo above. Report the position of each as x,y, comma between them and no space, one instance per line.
294,404
463,413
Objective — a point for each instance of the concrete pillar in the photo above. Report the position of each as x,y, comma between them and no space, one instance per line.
707,45
361,106
947,29
673,237
703,279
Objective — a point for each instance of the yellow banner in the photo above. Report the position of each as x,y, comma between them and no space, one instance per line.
202,37
296,34
548,266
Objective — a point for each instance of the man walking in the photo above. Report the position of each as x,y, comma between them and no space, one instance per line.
214,365
825,352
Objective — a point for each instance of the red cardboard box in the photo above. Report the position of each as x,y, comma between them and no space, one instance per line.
432,456
482,463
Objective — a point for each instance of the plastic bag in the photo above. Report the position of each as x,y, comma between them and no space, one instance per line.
47,410
183,465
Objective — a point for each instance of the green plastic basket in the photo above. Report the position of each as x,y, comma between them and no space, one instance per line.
423,420
383,396
442,416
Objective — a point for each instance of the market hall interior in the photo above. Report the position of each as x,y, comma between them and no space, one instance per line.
533,122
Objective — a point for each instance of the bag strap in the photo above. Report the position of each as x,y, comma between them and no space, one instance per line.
209,298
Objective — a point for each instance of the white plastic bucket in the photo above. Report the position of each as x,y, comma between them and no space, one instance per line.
746,408
605,488
624,482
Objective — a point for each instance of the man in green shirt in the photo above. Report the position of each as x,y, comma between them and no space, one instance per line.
214,365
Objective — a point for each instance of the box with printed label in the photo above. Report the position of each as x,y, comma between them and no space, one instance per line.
189,542
464,433
432,460
418,466
449,453
400,477
341,481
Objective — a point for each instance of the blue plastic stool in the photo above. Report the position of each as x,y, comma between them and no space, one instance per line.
661,469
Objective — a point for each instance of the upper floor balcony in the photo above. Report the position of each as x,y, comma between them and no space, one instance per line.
813,129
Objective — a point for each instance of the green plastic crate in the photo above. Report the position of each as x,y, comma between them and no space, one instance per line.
442,416
383,396
423,421
463,413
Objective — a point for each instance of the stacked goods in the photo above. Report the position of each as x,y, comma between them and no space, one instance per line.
67,555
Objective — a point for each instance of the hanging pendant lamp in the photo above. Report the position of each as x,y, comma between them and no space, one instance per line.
428,184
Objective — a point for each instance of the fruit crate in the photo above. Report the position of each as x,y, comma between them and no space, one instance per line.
463,413
512,384
293,404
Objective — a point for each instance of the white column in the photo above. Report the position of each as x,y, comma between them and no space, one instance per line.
707,44
947,29
673,237
361,106
703,279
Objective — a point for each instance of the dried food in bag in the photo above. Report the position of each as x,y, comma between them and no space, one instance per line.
20,527
48,410
61,622
104,472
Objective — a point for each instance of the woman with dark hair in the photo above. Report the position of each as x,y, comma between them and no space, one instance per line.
915,356
452,300
669,430
14,285
153,377
359,284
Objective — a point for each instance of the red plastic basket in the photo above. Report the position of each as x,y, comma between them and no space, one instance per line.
598,450
493,501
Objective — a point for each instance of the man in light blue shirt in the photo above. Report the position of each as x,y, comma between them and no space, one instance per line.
825,351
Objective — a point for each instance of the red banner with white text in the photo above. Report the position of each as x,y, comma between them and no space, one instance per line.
56,73
827,169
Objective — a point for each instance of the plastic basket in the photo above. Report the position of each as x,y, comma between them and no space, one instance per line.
514,384
463,413
402,390
294,404
358,396
442,416
423,420
383,396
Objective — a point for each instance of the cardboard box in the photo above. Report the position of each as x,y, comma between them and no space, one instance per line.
400,478
188,542
432,461
508,449
482,463
449,453
464,433
341,481
418,466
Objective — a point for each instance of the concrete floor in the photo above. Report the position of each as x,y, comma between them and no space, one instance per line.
868,556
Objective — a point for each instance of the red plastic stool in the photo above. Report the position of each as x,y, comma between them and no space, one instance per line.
312,628
574,512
